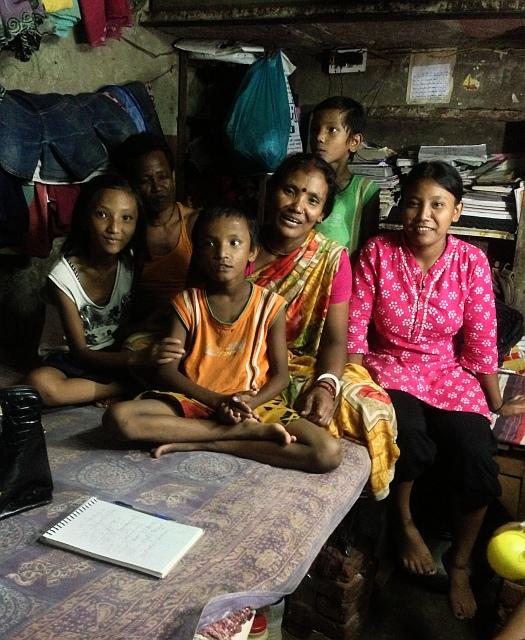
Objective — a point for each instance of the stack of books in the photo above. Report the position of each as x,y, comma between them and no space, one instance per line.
466,158
486,210
495,196
405,164
378,164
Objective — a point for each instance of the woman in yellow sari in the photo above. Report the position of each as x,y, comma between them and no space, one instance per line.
305,267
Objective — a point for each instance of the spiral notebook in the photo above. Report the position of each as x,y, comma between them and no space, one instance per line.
125,536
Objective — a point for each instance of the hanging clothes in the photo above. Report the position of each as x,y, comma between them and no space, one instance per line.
14,215
69,134
104,19
134,98
63,20
50,211
57,5
19,21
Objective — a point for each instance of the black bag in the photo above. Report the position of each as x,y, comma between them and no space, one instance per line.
25,477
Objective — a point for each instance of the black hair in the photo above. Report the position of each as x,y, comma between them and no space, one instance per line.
209,214
78,238
205,217
443,173
306,161
354,115
125,155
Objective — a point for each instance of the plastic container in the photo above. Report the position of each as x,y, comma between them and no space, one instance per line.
275,620
259,630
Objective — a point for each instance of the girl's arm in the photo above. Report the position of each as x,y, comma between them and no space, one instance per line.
361,306
278,361
172,379
76,339
479,334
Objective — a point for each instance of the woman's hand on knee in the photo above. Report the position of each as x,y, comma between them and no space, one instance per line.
318,406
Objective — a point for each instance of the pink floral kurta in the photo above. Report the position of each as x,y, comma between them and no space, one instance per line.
413,343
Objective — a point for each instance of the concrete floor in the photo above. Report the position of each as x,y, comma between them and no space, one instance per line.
402,609
407,608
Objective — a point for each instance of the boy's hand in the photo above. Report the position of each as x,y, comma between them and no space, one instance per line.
165,351
234,409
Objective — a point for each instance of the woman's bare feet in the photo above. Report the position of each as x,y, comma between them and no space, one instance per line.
460,594
414,554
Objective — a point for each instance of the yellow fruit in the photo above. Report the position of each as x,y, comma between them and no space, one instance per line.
506,554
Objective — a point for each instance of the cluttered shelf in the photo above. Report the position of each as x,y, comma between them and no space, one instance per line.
494,186
494,203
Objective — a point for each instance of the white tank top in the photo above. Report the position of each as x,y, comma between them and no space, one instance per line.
100,321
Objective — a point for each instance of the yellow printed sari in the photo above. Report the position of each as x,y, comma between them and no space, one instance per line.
364,412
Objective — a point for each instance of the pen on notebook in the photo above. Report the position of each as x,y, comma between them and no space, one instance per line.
163,516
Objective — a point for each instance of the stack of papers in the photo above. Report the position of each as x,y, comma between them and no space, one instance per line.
485,210
472,155
220,50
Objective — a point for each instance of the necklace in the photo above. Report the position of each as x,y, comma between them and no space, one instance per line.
275,252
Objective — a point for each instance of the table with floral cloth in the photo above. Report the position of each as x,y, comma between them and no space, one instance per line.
263,528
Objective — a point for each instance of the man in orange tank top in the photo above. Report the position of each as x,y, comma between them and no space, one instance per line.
148,163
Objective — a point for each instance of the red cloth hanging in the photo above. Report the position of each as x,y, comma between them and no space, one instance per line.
49,217
104,19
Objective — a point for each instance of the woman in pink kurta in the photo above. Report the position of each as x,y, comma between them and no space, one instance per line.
416,319
423,322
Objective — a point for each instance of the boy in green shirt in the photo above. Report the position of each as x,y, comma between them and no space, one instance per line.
336,133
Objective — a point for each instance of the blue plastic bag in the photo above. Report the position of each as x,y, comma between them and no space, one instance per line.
258,127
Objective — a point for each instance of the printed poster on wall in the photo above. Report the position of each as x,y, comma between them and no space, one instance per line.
431,77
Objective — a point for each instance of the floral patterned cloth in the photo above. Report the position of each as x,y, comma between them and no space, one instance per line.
263,528
19,21
364,413
429,334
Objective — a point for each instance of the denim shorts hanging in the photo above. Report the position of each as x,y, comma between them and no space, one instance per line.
69,134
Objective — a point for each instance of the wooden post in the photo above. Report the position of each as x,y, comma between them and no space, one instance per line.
182,114
261,197
519,263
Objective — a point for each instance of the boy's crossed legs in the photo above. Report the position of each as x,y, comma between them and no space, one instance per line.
300,445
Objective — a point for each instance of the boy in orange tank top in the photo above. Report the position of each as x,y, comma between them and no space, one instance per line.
226,391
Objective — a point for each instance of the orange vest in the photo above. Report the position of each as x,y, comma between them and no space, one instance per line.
164,276
228,358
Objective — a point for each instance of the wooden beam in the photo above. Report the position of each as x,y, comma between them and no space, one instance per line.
182,115
171,12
